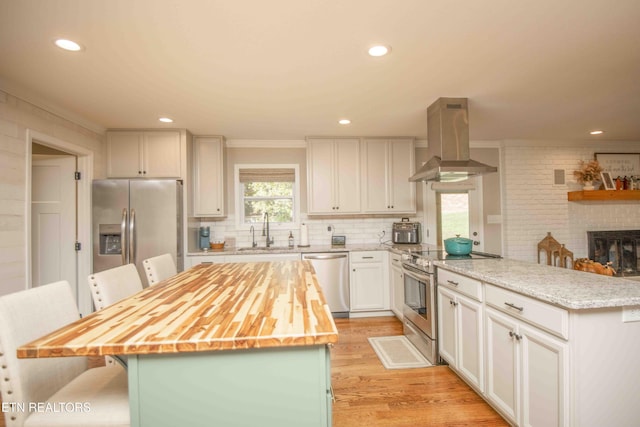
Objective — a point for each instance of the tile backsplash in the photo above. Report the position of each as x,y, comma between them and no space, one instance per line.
356,230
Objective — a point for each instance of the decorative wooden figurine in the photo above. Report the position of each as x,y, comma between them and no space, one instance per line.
561,258
551,247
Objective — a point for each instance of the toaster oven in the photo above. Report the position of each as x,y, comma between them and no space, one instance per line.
406,233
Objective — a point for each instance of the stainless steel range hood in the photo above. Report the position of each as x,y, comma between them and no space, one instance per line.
448,135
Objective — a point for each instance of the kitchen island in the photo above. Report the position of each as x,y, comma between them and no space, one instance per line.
543,345
222,344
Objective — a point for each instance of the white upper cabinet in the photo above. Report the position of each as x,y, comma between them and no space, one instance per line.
386,166
144,154
208,177
333,176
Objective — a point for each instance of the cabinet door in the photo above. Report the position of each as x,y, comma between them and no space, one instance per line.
544,379
470,361
502,366
402,166
161,154
263,257
447,326
397,283
124,155
375,177
208,177
367,287
191,261
320,177
347,175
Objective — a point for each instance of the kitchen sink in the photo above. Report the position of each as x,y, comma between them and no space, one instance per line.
265,249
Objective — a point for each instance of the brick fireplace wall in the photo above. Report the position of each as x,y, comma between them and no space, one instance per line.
534,205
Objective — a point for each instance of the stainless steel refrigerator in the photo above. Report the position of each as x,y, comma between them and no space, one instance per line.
134,220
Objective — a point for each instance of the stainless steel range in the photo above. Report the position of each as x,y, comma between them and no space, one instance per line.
420,310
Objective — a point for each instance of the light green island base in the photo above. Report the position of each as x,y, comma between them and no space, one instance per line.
272,387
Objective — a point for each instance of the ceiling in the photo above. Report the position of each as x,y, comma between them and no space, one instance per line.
286,69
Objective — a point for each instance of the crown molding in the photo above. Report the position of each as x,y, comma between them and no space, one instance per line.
266,143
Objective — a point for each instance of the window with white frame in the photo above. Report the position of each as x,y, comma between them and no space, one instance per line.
270,189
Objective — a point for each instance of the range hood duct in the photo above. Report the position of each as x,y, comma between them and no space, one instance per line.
448,136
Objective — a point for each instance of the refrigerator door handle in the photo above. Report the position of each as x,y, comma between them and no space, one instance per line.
123,234
132,237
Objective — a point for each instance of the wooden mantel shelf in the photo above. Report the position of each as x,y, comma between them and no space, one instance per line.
585,196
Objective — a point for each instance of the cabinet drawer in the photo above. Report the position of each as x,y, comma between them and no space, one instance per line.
366,256
463,284
543,315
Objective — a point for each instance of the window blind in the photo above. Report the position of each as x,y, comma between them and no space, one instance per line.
267,175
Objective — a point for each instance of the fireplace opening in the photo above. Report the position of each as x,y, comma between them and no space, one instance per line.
619,247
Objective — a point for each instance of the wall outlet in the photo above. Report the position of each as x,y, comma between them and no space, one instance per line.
631,314
330,230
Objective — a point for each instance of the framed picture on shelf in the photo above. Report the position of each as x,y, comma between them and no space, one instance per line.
607,181
619,164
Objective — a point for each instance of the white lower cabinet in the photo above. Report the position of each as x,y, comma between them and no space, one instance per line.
369,290
218,259
397,284
191,261
263,257
460,333
527,372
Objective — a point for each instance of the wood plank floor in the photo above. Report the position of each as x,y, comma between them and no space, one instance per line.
367,394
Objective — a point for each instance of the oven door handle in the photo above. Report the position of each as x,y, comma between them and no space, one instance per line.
417,276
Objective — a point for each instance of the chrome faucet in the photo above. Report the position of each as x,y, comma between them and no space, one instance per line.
265,226
253,237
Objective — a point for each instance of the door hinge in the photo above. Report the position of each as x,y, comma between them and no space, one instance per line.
77,176
78,246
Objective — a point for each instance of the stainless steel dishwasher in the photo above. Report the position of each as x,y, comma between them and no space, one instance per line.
332,271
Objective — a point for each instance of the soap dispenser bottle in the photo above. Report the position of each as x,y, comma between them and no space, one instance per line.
290,239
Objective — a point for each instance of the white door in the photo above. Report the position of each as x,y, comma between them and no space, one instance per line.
53,220
448,203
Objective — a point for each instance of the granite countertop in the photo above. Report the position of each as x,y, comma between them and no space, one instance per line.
208,307
299,249
566,288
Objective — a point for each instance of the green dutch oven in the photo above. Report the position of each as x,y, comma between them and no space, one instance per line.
458,245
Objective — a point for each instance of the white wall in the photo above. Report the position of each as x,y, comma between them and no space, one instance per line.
533,205
16,117
357,230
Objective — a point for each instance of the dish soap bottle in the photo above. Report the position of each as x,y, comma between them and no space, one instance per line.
290,239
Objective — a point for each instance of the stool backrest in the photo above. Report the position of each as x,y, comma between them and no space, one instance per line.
110,286
159,268
26,316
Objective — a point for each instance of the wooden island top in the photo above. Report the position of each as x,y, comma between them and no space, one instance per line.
206,308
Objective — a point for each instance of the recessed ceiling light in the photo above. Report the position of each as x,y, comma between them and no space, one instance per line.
596,132
166,120
379,50
69,45
344,121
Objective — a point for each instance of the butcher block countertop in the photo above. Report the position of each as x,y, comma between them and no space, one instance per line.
206,308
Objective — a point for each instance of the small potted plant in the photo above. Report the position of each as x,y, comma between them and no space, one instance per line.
588,172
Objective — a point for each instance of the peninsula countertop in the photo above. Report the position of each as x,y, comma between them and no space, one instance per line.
206,308
564,287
